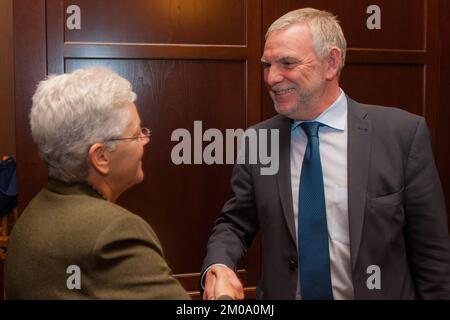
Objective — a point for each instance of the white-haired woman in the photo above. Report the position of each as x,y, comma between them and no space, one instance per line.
72,241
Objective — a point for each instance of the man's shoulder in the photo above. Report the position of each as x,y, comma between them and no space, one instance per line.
382,113
389,125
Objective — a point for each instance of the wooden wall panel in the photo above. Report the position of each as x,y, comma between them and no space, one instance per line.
27,63
402,27
7,137
379,84
442,149
7,134
156,21
30,67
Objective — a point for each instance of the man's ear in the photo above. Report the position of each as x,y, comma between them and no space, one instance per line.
99,158
334,61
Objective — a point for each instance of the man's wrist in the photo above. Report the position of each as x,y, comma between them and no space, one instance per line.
203,275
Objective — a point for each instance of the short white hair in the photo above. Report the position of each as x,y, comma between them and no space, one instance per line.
73,111
324,26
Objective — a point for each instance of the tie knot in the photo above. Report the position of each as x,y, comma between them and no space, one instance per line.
311,128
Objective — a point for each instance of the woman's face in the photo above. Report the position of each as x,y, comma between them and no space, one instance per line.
126,159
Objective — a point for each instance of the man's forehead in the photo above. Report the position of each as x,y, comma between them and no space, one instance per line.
289,42
294,29
281,52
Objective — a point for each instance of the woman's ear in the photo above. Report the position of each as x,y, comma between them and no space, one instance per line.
99,158
334,61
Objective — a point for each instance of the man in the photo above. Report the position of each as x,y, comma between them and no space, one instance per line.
356,210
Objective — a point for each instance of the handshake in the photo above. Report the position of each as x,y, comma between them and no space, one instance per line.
222,283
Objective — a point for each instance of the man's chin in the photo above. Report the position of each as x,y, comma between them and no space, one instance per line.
284,109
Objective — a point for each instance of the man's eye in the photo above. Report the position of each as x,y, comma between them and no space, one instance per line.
265,65
288,64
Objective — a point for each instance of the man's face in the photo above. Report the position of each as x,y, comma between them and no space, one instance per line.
294,75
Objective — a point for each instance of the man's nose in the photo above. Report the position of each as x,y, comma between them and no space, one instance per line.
273,75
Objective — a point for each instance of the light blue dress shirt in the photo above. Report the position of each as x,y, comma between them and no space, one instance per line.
333,155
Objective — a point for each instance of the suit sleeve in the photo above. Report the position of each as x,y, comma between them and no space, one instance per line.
235,228
128,263
427,236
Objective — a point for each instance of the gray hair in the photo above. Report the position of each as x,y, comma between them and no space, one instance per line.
324,26
72,111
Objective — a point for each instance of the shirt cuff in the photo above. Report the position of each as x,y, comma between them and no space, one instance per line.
202,278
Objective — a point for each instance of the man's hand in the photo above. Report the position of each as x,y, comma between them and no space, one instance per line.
222,281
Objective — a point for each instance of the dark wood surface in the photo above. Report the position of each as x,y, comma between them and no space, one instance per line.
402,24
30,67
381,82
7,134
442,146
176,21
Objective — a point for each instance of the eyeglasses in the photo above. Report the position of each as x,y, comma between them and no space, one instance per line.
144,134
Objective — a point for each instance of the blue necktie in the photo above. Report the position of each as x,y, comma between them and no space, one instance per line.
314,258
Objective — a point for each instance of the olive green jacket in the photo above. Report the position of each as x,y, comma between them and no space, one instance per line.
66,227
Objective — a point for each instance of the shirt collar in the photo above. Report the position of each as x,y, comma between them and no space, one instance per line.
335,116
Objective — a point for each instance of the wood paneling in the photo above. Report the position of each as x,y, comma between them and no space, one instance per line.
7,138
22,71
30,67
442,149
7,134
402,27
156,21
379,84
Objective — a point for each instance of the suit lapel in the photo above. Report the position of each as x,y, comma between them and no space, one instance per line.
359,146
284,175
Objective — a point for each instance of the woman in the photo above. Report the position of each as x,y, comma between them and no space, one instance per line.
72,241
